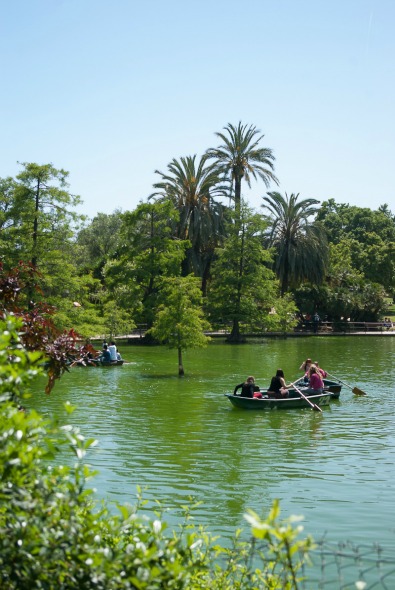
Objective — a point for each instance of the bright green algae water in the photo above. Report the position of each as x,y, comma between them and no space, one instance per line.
180,437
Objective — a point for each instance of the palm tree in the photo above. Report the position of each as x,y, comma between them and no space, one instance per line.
240,157
192,187
301,246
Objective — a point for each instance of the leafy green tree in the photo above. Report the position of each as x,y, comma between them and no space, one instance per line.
99,242
300,244
243,289
9,220
192,187
346,294
148,252
179,320
373,238
240,157
43,200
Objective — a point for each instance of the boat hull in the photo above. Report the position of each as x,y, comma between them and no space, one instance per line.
96,363
286,403
333,387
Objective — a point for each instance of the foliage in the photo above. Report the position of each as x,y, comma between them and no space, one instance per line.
147,253
300,245
243,290
370,235
99,241
192,187
179,320
346,293
54,535
240,157
116,320
39,331
37,228
40,208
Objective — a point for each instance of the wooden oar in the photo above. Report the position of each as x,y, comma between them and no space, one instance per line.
314,406
355,390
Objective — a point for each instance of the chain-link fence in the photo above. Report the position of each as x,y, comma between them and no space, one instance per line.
346,566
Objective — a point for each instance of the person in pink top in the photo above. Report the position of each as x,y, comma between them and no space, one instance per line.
323,373
316,385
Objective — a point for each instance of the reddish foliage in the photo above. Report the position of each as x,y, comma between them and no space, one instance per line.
39,330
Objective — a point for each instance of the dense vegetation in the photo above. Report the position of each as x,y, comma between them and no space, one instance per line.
256,269
54,536
181,261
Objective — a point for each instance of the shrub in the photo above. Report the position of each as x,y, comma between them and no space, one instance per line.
53,535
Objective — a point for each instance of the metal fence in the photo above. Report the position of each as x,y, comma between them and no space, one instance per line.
346,566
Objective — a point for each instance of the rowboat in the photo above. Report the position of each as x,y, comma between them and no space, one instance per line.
293,402
334,387
118,363
97,363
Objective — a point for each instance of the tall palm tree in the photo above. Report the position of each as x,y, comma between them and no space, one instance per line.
241,157
301,246
192,186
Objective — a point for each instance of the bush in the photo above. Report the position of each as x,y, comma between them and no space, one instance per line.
53,535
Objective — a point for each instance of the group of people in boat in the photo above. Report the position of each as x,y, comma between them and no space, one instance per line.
89,356
109,353
312,379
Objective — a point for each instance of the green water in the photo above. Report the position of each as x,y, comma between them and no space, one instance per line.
180,437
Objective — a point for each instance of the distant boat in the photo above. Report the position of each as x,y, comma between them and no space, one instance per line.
97,363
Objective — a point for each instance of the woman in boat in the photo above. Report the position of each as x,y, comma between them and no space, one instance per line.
320,370
316,384
278,388
248,388
305,366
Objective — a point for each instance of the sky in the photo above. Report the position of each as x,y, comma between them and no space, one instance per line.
112,90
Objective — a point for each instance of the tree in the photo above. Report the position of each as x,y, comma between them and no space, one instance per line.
243,289
9,218
241,157
99,242
147,253
179,320
346,293
373,238
192,188
300,245
38,331
42,197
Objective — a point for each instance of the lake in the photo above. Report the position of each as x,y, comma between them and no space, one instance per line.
180,437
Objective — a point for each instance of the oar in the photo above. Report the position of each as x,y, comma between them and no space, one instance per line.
355,390
314,406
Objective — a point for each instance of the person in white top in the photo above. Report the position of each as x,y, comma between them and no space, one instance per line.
113,351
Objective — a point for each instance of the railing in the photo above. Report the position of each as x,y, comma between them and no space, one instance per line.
345,327
339,327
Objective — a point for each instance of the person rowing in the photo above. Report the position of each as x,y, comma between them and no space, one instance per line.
305,367
278,388
316,384
322,371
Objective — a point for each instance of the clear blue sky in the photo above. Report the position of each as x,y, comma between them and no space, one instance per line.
112,90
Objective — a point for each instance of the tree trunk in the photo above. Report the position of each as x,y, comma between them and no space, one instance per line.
237,197
180,367
35,225
235,337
